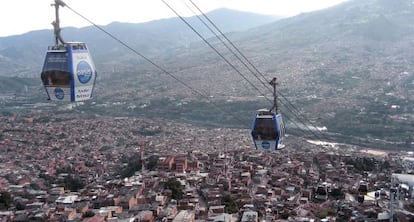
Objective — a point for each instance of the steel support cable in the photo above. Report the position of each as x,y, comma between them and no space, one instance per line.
317,130
304,133
251,64
156,65
303,123
195,31
235,54
224,43
224,58
214,49
231,43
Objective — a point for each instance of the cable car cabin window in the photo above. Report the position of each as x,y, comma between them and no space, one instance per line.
56,79
363,188
56,61
79,47
321,190
265,129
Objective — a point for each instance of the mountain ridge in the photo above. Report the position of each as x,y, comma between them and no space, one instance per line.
151,38
348,67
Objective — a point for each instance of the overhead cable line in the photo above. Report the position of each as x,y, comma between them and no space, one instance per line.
250,63
238,57
224,43
156,65
231,43
297,114
214,33
214,49
225,59
159,67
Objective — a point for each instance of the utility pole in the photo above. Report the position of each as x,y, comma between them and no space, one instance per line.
142,146
391,206
225,158
392,200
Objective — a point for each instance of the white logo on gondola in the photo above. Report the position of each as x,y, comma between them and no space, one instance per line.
265,145
84,72
59,94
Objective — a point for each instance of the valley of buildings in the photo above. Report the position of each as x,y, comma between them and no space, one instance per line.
221,175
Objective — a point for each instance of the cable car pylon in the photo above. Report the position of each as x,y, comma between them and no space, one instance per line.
268,129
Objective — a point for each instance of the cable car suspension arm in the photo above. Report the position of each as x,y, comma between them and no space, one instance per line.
275,107
56,23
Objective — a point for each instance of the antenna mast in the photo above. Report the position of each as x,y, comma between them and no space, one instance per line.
56,23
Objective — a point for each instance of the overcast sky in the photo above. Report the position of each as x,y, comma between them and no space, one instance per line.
21,16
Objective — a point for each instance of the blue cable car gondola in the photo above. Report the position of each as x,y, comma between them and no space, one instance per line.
268,128
363,188
321,192
68,72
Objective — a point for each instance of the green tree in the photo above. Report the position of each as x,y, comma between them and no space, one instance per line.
175,186
284,214
321,213
132,167
385,165
73,183
152,162
133,164
49,180
88,214
337,193
20,205
230,204
5,200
